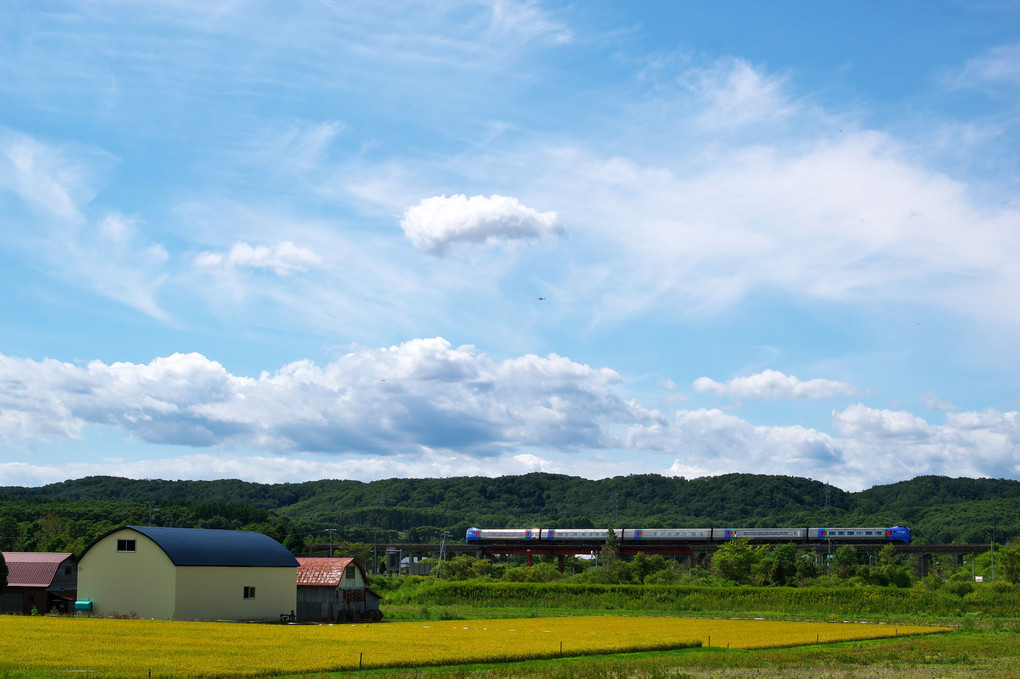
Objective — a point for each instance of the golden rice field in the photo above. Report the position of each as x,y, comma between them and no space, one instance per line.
116,648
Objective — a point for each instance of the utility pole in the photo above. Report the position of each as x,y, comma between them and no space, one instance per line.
995,517
375,550
152,512
442,553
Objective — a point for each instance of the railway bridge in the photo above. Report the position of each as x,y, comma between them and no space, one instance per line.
695,553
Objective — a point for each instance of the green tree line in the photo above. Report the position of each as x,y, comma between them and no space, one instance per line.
67,516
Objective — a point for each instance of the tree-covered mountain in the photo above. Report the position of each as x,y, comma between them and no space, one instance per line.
67,515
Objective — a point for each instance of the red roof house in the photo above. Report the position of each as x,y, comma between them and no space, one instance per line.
41,581
334,589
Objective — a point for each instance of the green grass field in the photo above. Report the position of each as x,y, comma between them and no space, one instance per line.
979,653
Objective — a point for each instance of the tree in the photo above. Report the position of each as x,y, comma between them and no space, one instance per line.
610,554
466,567
777,566
736,560
1008,563
889,569
9,534
844,563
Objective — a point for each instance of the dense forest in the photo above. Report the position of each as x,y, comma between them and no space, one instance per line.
67,516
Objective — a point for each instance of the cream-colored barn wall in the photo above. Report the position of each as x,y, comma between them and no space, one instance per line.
138,584
217,593
358,581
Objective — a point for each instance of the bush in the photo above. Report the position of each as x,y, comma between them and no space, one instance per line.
960,589
540,572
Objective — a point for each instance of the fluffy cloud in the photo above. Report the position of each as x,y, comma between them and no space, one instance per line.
283,258
772,385
426,408
436,223
421,395
873,446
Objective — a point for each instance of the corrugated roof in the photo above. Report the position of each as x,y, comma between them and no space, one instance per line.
212,547
318,571
33,569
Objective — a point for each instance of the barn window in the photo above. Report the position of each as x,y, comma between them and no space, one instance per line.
125,545
349,573
249,592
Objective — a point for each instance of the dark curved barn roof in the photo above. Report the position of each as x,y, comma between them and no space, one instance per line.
211,547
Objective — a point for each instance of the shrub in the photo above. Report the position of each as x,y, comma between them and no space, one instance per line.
960,589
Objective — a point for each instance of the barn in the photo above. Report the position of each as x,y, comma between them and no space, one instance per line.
43,581
187,574
334,590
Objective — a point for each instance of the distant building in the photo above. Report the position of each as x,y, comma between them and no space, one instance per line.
187,574
43,581
334,590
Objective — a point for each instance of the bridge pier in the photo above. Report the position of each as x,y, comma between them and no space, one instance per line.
392,560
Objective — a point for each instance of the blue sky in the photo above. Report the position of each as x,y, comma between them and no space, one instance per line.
303,240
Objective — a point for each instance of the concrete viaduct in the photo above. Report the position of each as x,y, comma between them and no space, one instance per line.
696,554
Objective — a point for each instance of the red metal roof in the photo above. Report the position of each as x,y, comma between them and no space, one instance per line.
317,571
33,569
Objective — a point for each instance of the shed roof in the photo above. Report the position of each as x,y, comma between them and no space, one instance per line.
318,571
213,547
33,569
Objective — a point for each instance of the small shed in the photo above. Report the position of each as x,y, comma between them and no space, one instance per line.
334,589
43,581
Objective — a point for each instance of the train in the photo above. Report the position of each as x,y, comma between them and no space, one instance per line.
872,534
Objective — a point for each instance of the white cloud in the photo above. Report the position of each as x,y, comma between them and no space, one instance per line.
733,93
426,408
860,421
105,251
873,446
423,394
283,258
295,150
999,65
772,385
527,19
436,223
932,402
534,463
42,176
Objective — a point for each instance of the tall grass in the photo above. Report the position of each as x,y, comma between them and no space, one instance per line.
818,602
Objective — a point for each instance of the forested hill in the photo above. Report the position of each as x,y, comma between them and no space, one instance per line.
939,509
